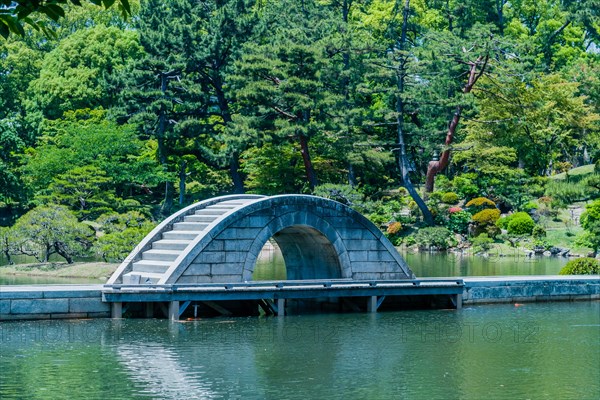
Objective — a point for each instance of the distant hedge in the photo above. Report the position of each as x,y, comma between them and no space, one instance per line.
581,266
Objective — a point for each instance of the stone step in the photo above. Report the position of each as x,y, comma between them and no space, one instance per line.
180,235
136,278
221,206
152,266
160,255
212,211
200,218
189,226
234,202
166,244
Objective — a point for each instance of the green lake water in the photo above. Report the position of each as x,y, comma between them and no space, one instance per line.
536,351
272,266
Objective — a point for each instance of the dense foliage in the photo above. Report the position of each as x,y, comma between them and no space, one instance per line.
581,266
468,107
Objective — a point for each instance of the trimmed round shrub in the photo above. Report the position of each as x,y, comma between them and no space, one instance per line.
482,202
450,198
581,266
488,216
521,223
478,204
502,223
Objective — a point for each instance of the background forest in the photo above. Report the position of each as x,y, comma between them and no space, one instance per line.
417,113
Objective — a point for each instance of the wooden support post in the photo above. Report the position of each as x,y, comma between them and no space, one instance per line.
280,307
459,301
173,311
149,312
372,304
116,310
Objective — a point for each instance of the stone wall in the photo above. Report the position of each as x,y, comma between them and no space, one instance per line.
319,239
520,289
52,302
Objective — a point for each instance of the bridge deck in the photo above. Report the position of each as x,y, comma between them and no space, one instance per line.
281,290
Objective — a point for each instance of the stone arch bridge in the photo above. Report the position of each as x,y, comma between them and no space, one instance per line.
218,241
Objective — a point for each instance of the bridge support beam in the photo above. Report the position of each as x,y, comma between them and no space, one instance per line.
116,310
372,304
149,310
174,310
280,307
459,301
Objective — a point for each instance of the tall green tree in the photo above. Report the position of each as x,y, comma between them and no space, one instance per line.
156,85
49,230
543,120
280,79
85,143
32,12
78,73
217,31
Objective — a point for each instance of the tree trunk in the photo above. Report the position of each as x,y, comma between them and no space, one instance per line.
61,252
351,175
236,177
47,252
162,148
345,85
234,158
435,167
8,258
403,161
311,177
182,176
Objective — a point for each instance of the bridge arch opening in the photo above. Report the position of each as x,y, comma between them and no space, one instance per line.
305,253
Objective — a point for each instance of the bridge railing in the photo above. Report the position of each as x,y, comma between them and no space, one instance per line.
166,225
326,283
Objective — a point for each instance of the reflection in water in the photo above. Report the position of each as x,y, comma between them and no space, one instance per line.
426,264
156,370
536,351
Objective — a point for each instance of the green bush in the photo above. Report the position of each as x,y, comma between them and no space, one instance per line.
465,185
393,233
383,212
581,266
590,221
564,192
502,223
488,216
438,237
344,194
479,204
538,232
450,198
482,243
521,223
458,221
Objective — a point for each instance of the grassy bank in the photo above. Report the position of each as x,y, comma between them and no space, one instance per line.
97,270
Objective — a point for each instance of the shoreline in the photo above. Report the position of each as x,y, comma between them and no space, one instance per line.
91,270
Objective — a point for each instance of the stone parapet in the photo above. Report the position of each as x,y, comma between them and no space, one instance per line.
519,289
52,302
